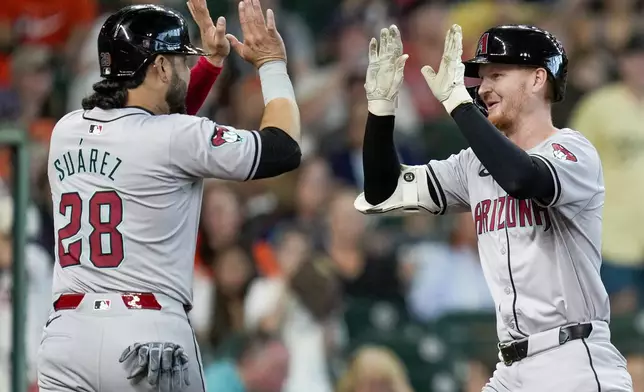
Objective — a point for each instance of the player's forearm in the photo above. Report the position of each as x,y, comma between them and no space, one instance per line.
202,77
281,109
282,113
380,161
519,174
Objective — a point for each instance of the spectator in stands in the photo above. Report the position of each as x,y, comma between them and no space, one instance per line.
298,306
233,271
447,277
326,94
260,364
221,228
313,189
222,219
589,72
424,33
31,86
345,147
61,25
611,118
374,369
295,32
605,23
363,274
247,102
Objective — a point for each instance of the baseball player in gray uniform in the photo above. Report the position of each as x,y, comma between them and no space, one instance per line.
535,193
126,176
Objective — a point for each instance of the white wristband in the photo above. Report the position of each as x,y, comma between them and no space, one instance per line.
275,81
382,107
458,97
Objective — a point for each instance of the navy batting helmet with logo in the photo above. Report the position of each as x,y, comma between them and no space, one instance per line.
526,46
134,35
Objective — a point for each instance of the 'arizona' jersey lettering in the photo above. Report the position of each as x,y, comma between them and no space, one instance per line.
490,215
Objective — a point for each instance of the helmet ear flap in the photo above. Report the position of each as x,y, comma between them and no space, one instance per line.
478,102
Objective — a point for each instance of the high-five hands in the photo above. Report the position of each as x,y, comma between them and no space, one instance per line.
262,42
213,37
385,72
448,84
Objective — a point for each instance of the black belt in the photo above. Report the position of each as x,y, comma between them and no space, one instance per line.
515,351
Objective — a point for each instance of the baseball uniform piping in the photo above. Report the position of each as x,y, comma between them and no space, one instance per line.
253,167
113,119
514,289
432,192
590,360
437,187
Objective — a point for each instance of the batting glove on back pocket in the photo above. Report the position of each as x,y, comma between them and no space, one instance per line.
164,365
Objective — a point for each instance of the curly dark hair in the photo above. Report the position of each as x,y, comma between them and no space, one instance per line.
112,94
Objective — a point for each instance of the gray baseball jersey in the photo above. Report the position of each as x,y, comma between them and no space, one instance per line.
126,187
541,261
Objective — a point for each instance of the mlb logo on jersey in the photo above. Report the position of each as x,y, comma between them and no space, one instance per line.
95,129
102,304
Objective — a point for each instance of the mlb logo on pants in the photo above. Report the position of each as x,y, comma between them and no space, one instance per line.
102,304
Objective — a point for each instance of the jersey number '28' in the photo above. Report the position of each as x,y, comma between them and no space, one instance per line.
103,225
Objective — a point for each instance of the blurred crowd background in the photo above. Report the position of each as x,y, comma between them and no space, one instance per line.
294,290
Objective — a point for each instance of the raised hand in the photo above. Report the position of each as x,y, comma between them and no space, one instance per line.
262,42
385,72
213,37
448,84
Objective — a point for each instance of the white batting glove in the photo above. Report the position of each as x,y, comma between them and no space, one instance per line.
448,85
385,72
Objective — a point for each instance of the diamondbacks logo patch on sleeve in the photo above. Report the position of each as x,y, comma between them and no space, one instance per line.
561,152
223,135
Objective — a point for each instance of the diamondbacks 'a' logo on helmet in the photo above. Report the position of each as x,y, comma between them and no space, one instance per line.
482,47
223,135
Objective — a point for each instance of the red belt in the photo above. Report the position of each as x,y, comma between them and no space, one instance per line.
131,301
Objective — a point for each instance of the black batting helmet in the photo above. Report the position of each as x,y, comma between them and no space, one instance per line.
130,39
522,45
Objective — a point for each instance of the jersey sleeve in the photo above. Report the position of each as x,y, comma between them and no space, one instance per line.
449,177
576,171
200,148
437,187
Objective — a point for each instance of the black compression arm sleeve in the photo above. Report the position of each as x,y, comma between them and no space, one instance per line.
519,174
379,158
280,153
